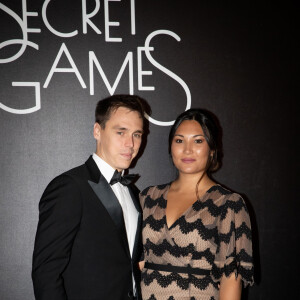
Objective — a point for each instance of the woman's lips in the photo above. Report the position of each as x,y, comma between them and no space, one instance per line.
188,160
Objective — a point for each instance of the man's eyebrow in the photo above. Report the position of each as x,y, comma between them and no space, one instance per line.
120,128
139,131
126,129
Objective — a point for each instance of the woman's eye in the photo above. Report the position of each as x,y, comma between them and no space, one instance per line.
178,141
198,141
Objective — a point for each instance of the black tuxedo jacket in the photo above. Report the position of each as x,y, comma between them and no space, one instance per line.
81,250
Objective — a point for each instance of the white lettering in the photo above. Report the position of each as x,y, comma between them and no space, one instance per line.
93,60
86,17
132,13
29,14
166,71
142,73
44,16
23,25
109,24
73,69
37,106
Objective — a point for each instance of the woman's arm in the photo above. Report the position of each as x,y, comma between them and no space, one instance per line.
230,288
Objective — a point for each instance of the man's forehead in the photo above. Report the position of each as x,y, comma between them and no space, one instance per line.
125,119
122,110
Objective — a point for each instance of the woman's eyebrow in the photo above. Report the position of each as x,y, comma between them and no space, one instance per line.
193,135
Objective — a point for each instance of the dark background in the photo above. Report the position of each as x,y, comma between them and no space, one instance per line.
238,60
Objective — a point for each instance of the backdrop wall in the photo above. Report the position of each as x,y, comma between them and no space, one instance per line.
58,58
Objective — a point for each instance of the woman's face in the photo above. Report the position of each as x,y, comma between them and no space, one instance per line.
189,148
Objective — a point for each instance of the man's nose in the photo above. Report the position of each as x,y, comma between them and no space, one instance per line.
129,142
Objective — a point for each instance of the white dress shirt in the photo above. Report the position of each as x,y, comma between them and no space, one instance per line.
130,213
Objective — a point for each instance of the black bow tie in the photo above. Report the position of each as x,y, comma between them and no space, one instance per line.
125,180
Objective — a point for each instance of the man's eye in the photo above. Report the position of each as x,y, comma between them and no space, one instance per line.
120,132
137,135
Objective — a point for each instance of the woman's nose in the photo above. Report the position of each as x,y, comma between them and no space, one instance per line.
188,148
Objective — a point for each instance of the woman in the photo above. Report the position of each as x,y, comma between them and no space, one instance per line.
196,233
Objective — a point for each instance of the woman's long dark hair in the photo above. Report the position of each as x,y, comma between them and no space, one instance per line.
211,132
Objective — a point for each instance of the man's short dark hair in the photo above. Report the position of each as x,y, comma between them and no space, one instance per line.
110,104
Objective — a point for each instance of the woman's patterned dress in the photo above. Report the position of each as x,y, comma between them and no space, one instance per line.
213,234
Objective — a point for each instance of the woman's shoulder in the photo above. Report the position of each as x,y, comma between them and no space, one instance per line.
154,195
227,202
224,199
155,189
223,193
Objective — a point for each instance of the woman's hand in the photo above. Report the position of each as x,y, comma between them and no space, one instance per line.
141,265
230,287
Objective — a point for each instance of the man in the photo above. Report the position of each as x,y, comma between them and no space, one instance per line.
88,237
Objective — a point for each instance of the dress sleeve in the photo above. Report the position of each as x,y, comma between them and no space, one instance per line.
234,251
143,196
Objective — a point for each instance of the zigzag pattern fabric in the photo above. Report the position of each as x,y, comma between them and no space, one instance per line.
213,234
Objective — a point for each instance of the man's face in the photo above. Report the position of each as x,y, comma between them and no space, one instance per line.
119,142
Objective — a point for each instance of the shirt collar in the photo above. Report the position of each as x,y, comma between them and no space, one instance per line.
106,170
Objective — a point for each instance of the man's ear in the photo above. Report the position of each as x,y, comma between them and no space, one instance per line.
97,131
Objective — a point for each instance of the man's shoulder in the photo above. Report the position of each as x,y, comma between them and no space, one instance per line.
78,171
72,176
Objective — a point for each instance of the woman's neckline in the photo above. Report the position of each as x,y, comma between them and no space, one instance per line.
183,213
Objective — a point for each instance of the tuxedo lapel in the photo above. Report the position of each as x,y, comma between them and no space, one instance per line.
109,200
139,223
